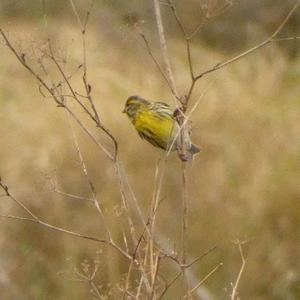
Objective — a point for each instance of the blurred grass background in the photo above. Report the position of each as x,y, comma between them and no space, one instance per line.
244,185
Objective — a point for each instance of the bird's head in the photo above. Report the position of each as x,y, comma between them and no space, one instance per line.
133,105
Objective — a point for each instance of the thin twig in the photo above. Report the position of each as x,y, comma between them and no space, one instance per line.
71,195
159,67
129,219
59,100
76,13
69,232
36,220
53,58
270,39
90,280
183,267
163,46
127,284
19,203
184,225
155,276
208,16
184,212
88,132
167,287
292,38
87,86
88,179
213,271
187,39
198,258
238,279
123,176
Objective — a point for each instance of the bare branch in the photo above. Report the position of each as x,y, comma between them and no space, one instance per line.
160,69
60,100
87,177
154,276
87,131
53,58
71,195
38,221
270,39
163,46
20,204
76,14
292,38
72,233
199,257
235,286
187,39
89,278
183,267
21,59
213,271
168,285
184,224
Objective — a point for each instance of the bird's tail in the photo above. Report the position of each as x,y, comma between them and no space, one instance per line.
194,149
189,153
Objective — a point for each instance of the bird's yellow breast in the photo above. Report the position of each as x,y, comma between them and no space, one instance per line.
151,124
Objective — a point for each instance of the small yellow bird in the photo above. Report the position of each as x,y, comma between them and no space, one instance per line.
155,123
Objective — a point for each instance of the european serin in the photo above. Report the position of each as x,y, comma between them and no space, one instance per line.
155,123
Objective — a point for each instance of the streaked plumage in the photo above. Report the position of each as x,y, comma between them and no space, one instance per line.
154,122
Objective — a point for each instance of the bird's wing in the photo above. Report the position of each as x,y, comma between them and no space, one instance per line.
162,104
141,135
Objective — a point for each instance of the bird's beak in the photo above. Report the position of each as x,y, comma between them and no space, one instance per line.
124,111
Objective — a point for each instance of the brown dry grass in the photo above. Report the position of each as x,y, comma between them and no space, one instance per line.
244,185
